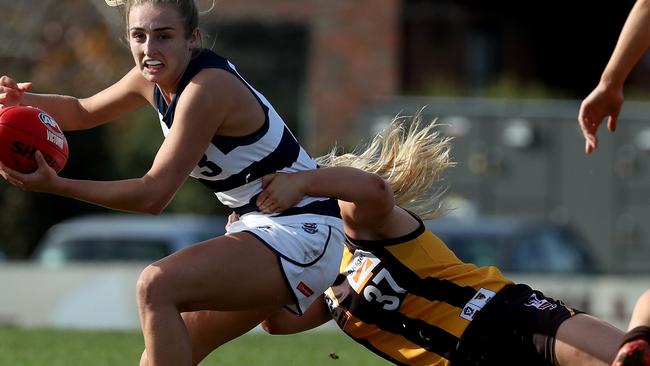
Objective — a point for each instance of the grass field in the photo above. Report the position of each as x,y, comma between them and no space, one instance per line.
71,348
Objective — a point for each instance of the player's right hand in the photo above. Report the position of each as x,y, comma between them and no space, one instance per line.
602,103
11,92
42,180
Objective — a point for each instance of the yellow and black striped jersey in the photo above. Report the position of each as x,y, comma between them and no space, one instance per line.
409,299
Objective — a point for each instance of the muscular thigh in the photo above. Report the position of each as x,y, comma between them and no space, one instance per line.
232,272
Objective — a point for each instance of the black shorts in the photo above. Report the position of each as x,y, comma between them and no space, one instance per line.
517,327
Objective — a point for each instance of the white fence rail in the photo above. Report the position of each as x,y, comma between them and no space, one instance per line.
103,296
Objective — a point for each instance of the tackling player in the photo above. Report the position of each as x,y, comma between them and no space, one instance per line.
403,294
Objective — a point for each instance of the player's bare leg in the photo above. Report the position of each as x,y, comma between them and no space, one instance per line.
230,273
210,329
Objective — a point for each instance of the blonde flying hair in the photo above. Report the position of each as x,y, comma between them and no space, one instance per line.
410,156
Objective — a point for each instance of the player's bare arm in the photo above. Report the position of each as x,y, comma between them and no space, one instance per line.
366,200
631,45
606,100
348,184
128,94
152,192
285,322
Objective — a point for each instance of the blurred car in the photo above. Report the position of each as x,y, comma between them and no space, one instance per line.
124,237
517,245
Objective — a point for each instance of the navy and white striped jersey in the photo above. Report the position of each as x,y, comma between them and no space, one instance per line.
232,167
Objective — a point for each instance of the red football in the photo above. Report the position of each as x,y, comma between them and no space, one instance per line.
23,131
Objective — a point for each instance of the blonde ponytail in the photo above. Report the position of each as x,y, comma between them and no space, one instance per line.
411,157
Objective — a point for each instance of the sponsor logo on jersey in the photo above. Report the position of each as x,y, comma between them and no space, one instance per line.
477,303
340,315
310,228
469,311
360,269
304,289
482,297
330,300
342,319
542,304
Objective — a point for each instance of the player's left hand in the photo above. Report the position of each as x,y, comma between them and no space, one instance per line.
280,192
11,92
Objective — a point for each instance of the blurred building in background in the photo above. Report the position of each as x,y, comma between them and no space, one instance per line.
353,53
325,61
338,69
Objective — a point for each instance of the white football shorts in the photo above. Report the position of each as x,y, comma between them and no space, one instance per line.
309,249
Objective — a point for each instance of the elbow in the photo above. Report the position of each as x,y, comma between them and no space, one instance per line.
80,119
155,196
382,193
155,208
85,118
152,203
153,211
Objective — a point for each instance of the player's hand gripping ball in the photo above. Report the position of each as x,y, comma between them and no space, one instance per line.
23,131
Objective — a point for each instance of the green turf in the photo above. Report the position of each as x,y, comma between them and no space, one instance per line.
71,348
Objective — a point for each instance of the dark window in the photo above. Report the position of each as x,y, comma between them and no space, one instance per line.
270,56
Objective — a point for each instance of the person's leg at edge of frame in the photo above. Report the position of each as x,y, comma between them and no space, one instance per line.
586,340
216,275
210,329
635,347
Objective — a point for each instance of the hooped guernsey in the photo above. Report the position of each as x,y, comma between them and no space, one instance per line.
409,299
232,167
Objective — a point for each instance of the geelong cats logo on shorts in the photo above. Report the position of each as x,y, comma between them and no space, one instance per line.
310,228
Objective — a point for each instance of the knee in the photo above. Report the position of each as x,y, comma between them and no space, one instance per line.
641,311
150,288
269,327
644,299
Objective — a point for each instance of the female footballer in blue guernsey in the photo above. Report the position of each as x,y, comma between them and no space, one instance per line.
221,131
402,293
